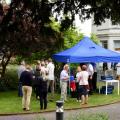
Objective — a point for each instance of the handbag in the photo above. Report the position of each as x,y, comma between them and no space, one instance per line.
87,87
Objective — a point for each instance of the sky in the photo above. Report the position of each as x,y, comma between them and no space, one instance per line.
84,27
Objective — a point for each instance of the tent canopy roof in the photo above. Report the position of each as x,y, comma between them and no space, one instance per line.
87,51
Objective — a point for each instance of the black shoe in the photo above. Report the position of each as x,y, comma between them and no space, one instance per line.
24,108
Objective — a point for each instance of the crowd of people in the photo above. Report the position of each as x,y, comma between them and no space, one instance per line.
41,79
83,84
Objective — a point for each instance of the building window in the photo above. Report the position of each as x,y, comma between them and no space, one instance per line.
117,45
104,44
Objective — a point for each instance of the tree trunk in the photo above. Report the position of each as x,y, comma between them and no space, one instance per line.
3,71
4,63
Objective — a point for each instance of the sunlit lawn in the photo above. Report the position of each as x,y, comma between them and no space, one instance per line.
11,103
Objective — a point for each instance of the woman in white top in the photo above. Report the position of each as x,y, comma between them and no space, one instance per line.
83,83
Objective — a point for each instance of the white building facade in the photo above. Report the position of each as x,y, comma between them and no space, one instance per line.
108,34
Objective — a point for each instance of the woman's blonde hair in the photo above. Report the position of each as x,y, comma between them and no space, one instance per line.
78,69
28,67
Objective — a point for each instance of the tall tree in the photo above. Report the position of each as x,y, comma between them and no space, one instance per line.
24,25
24,29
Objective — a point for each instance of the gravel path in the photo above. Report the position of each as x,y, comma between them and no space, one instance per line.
112,110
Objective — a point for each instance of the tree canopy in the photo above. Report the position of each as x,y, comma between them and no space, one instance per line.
25,24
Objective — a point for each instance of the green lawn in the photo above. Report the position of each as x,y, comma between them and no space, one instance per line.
11,103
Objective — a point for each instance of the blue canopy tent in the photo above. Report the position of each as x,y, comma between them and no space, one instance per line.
87,51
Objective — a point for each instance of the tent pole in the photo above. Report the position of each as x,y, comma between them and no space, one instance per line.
69,78
68,62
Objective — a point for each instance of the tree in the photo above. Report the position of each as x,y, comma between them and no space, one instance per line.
95,38
24,25
71,37
24,30
98,9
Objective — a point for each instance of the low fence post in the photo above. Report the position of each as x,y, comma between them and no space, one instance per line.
59,110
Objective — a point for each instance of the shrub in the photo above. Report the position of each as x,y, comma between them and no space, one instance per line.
10,81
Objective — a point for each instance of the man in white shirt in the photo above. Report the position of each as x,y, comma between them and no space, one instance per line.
51,77
90,71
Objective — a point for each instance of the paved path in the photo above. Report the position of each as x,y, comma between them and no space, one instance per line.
112,110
